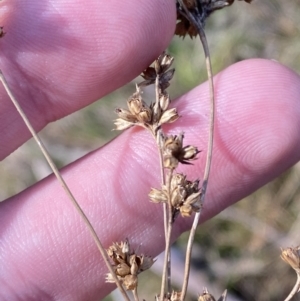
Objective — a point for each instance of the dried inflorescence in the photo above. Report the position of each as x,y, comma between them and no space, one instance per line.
292,257
180,195
183,194
127,265
156,114
159,70
200,11
174,152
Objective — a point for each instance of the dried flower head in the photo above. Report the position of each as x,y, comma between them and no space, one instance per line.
138,113
200,11
127,265
292,257
160,71
174,152
184,195
157,113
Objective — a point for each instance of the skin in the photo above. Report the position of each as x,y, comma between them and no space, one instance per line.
60,56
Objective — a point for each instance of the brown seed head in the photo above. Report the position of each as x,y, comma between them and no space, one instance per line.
163,63
174,152
130,282
292,257
122,124
127,265
122,269
169,116
200,10
164,101
158,196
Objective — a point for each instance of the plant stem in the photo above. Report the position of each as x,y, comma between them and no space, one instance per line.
166,213
158,136
167,259
63,184
295,289
135,295
202,35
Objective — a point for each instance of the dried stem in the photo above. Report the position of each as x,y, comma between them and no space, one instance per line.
166,214
295,289
135,294
202,35
63,184
158,136
167,259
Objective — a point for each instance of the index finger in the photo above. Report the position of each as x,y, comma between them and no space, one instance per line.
62,56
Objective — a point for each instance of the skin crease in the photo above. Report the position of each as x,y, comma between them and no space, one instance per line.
60,56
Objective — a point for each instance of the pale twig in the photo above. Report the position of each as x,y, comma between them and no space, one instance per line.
166,214
201,32
167,259
158,137
135,294
295,289
64,185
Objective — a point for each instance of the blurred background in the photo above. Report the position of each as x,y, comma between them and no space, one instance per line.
239,249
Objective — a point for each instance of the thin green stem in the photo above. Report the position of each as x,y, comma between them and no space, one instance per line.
64,185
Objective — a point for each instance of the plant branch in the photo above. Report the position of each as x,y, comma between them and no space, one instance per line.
295,289
135,295
158,137
167,259
63,184
166,212
202,35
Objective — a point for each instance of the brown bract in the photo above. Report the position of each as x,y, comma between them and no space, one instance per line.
156,114
200,10
174,151
292,257
127,265
184,195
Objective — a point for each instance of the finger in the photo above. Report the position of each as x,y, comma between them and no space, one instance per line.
46,250
62,56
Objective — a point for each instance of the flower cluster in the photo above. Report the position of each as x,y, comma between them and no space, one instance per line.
200,11
174,151
127,265
154,115
292,257
184,195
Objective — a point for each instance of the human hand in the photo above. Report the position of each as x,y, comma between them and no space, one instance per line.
61,56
